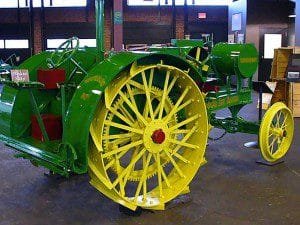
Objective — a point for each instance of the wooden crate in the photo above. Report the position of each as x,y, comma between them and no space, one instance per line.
296,49
280,62
294,99
281,93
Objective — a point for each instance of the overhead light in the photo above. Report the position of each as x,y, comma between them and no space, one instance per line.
292,16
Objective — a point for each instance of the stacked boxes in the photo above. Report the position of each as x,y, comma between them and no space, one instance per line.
294,102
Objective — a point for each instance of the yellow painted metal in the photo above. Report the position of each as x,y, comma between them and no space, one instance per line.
276,132
198,53
126,163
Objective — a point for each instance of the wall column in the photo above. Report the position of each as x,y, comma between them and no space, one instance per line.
118,25
297,24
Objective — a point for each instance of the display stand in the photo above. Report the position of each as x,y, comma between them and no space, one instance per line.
181,199
260,87
265,163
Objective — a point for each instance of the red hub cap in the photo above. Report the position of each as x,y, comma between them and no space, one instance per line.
158,136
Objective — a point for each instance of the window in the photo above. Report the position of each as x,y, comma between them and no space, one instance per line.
272,41
68,3
87,42
55,43
14,44
236,22
37,3
143,2
208,2
1,43
177,2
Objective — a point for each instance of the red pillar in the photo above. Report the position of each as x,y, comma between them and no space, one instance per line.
118,25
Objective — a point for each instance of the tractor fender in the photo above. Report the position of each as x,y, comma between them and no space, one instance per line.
84,103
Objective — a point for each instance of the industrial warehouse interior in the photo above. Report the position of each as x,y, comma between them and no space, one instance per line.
171,112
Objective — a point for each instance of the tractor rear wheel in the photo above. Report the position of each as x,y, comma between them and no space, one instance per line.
149,136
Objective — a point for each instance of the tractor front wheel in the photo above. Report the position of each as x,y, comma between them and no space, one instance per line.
276,132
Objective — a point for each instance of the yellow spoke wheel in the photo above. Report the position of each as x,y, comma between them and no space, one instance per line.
276,132
149,136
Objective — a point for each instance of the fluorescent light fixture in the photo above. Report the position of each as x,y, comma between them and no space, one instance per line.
292,16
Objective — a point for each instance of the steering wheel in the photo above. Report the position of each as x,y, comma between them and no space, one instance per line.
63,53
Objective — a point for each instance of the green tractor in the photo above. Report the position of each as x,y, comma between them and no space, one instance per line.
137,122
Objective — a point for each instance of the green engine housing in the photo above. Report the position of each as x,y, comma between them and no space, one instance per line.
235,59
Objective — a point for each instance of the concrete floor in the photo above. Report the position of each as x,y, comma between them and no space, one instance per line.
230,189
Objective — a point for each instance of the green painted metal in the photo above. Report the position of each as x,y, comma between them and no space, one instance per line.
99,6
185,43
235,59
89,93
77,99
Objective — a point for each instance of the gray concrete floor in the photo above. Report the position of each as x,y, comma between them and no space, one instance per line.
230,189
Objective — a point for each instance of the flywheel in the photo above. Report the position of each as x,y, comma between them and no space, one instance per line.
276,132
149,136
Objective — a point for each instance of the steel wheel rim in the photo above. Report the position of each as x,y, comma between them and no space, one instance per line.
154,152
276,132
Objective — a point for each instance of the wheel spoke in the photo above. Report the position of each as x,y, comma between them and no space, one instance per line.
123,127
278,116
174,164
173,111
172,84
143,177
180,131
187,121
118,136
164,95
133,108
136,84
167,94
283,123
124,148
180,157
151,78
118,142
183,144
117,157
131,96
272,145
122,117
124,111
147,92
125,171
159,174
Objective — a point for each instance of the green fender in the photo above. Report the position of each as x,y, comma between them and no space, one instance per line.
88,94
15,107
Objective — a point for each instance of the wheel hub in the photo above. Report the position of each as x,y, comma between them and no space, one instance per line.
279,132
155,136
158,136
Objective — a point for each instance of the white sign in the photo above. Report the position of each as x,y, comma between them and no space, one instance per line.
19,75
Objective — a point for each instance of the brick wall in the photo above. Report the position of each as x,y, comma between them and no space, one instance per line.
153,15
